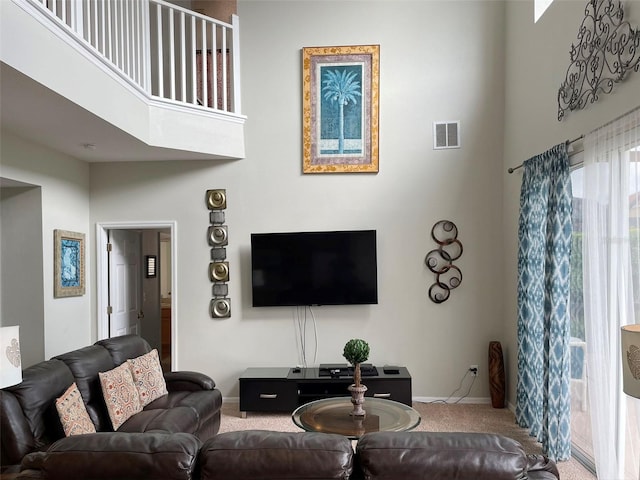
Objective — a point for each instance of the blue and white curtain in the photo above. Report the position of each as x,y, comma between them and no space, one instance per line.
543,403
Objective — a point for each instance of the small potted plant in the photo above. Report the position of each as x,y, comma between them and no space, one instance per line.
356,351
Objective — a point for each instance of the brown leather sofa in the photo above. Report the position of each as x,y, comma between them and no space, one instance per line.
29,421
263,455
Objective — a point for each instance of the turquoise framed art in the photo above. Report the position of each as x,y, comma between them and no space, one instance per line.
68,263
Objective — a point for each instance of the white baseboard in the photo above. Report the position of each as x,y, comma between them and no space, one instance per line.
477,400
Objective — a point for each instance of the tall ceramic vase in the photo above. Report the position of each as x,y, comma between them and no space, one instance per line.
496,375
357,399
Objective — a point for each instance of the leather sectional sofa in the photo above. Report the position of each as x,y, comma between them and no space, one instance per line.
263,455
175,437
29,421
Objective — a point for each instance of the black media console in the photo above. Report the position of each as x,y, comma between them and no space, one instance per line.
285,389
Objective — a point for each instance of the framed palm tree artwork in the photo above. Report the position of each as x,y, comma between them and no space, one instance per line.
340,89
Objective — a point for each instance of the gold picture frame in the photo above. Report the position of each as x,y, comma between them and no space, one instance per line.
68,264
340,109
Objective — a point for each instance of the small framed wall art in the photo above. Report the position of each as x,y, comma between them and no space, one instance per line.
68,263
340,90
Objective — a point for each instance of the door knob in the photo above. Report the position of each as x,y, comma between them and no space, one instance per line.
140,315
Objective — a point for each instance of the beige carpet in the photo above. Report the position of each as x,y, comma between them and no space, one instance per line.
435,417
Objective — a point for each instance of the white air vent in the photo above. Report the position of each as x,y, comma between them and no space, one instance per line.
446,135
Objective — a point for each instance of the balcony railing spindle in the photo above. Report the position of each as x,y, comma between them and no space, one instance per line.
172,56
183,66
120,32
160,75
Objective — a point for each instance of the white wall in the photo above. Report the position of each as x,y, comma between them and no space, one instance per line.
429,72
64,183
537,61
21,274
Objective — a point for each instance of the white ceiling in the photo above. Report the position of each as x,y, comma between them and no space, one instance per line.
34,112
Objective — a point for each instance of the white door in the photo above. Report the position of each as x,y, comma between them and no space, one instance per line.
125,270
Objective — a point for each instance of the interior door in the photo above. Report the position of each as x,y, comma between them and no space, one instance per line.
125,269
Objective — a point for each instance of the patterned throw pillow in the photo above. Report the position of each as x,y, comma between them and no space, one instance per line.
148,377
120,394
73,414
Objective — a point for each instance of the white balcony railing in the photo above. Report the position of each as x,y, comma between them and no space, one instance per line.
164,50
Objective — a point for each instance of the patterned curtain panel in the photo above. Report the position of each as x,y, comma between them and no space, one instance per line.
544,367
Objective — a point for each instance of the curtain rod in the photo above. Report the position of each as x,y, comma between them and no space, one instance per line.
568,142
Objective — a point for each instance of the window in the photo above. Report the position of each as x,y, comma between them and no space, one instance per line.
581,444
606,197
539,8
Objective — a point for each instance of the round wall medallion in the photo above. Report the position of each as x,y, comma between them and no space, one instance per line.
219,271
220,307
438,292
444,231
216,199
218,235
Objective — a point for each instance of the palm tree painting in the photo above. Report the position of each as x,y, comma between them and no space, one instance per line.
341,110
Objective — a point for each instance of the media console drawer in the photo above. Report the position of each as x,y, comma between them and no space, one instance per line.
267,390
284,389
268,396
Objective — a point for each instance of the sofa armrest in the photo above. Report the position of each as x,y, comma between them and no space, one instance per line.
118,455
17,437
189,381
542,468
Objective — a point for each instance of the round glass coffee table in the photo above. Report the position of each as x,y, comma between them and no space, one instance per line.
332,415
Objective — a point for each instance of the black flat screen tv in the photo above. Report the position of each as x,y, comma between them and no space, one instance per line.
314,268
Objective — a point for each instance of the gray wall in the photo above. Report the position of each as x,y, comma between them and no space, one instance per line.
22,271
63,186
429,72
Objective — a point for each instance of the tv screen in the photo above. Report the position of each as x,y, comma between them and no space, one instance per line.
314,268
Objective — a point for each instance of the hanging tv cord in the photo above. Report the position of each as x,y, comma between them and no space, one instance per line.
300,325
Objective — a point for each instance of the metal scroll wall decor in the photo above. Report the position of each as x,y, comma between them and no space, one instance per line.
440,260
218,238
608,48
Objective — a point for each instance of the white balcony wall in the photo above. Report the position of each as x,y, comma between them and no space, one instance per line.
174,117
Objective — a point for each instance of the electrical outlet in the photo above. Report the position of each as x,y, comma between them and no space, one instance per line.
474,370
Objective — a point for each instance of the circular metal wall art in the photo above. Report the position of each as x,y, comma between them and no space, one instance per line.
440,260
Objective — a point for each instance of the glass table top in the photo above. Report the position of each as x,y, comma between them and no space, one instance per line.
332,415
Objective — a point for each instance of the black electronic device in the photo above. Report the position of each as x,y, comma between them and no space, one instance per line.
344,370
314,268
390,370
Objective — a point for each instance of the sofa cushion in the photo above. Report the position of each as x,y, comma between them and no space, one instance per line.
124,347
174,420
120,394
131,456
440,455
73,414
204,402
147,376
85,364
262,455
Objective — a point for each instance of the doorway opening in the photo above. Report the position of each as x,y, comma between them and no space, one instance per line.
128,299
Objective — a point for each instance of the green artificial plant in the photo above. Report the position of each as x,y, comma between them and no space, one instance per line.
356,351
